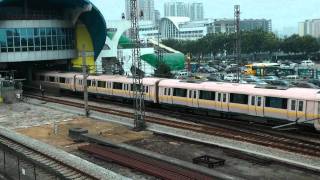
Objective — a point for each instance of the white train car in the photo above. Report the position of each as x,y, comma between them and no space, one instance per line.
55,80
119,86
290,104
109,85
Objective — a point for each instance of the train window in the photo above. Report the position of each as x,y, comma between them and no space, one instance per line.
224,97
219,97
259,101
207,95
165,91
117,85
51,79
62,80
239,98
146,89
194,94
274,102
293,105
88,82
300,106
41,78
102,84
179,92
190,94
169,91
253,99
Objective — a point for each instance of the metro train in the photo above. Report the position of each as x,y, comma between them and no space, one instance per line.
242,100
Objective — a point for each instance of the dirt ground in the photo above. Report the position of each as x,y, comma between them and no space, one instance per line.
110,131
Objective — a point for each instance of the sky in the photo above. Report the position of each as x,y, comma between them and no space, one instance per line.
285,14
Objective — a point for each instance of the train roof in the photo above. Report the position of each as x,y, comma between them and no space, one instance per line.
58,74
124,79
110,78
250,89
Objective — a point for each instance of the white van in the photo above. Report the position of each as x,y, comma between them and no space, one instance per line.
307,63
292,77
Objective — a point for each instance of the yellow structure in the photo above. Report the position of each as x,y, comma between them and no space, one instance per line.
83,38
259,69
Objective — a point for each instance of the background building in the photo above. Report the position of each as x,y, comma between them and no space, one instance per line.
49,32
146,6
181,9
157,16
176,9
310,27
227,25
252,24
196,11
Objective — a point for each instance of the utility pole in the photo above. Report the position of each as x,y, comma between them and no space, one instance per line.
238,38
138,88
85,76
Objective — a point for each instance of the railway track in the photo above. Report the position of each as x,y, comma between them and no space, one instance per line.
52,165
156,168
260,138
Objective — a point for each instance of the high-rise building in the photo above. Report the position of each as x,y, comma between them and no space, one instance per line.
157,16
196,11
180,9
310,27
146,6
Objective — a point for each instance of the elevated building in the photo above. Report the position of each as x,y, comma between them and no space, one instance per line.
49,31
182,28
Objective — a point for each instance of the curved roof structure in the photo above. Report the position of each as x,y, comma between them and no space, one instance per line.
93,20
177,20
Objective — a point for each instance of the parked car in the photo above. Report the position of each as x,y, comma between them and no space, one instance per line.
315,82
292,77
230,77
305,85
270,78
182,75
278,83
307,63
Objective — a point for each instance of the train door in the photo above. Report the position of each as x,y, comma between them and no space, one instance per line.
222,100
296,110
219,101
259,106
256,106
252,106
192,98
225,100
167,98
309,110
195,99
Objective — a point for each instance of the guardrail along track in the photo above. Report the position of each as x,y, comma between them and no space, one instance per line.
259,138
50,164
142,163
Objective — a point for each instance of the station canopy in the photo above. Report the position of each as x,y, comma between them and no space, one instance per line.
93,20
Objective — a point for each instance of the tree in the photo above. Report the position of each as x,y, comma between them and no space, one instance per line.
163,70
308,44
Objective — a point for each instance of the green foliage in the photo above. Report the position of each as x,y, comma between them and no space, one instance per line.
251,42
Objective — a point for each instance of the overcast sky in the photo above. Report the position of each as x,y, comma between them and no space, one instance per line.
285,14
